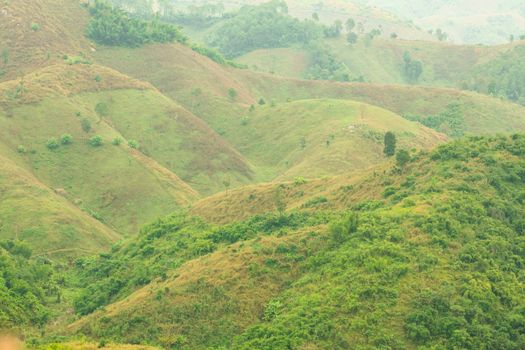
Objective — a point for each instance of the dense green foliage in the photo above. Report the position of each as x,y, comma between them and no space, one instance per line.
503,76
389,144
450,121
264,26
440,256
412,69
112,26
324,65
451,274
136,263
27,286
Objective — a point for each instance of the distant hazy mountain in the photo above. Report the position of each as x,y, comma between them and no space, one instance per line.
467,21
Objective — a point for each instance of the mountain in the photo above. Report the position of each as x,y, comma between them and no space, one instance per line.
396,267
465,21
291,191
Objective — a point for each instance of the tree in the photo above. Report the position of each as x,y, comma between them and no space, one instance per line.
66,139
52,143
96,141
351,38
232,93
412,69
393,36
402,158
315,16
390,144
279,202
350,25
86,125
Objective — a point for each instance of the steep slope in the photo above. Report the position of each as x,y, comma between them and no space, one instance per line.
438,241
185,80
45,220
36,33
51,124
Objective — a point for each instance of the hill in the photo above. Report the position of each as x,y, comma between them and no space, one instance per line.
436,242
480,114
382,60
34,34
44,219
54,125
315,138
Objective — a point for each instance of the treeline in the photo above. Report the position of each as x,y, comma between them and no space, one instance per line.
112,26
264,26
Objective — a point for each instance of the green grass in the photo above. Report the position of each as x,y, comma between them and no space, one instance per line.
314,138
44,219
118,185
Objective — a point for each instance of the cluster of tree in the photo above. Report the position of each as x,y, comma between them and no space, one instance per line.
439,34
450,122
412,69
324,65
503,76
27,287
197,16
264,26
112,26
109,277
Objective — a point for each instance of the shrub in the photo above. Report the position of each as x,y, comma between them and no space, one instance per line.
52,143
117,141
341,230
66,139
102,109
96,141
232,93
299,181
402,157
35,27
21,149
86,125
133,144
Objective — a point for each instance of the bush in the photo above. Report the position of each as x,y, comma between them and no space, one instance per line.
402,158
96,141
21,149
232,93
35,27
341,230
133,144
52,143
86,125
117,141
66,139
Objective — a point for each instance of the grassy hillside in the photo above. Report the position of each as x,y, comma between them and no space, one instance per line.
436,243
44,219
381,60
314,138
480,114
185,80
37,33
116,184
